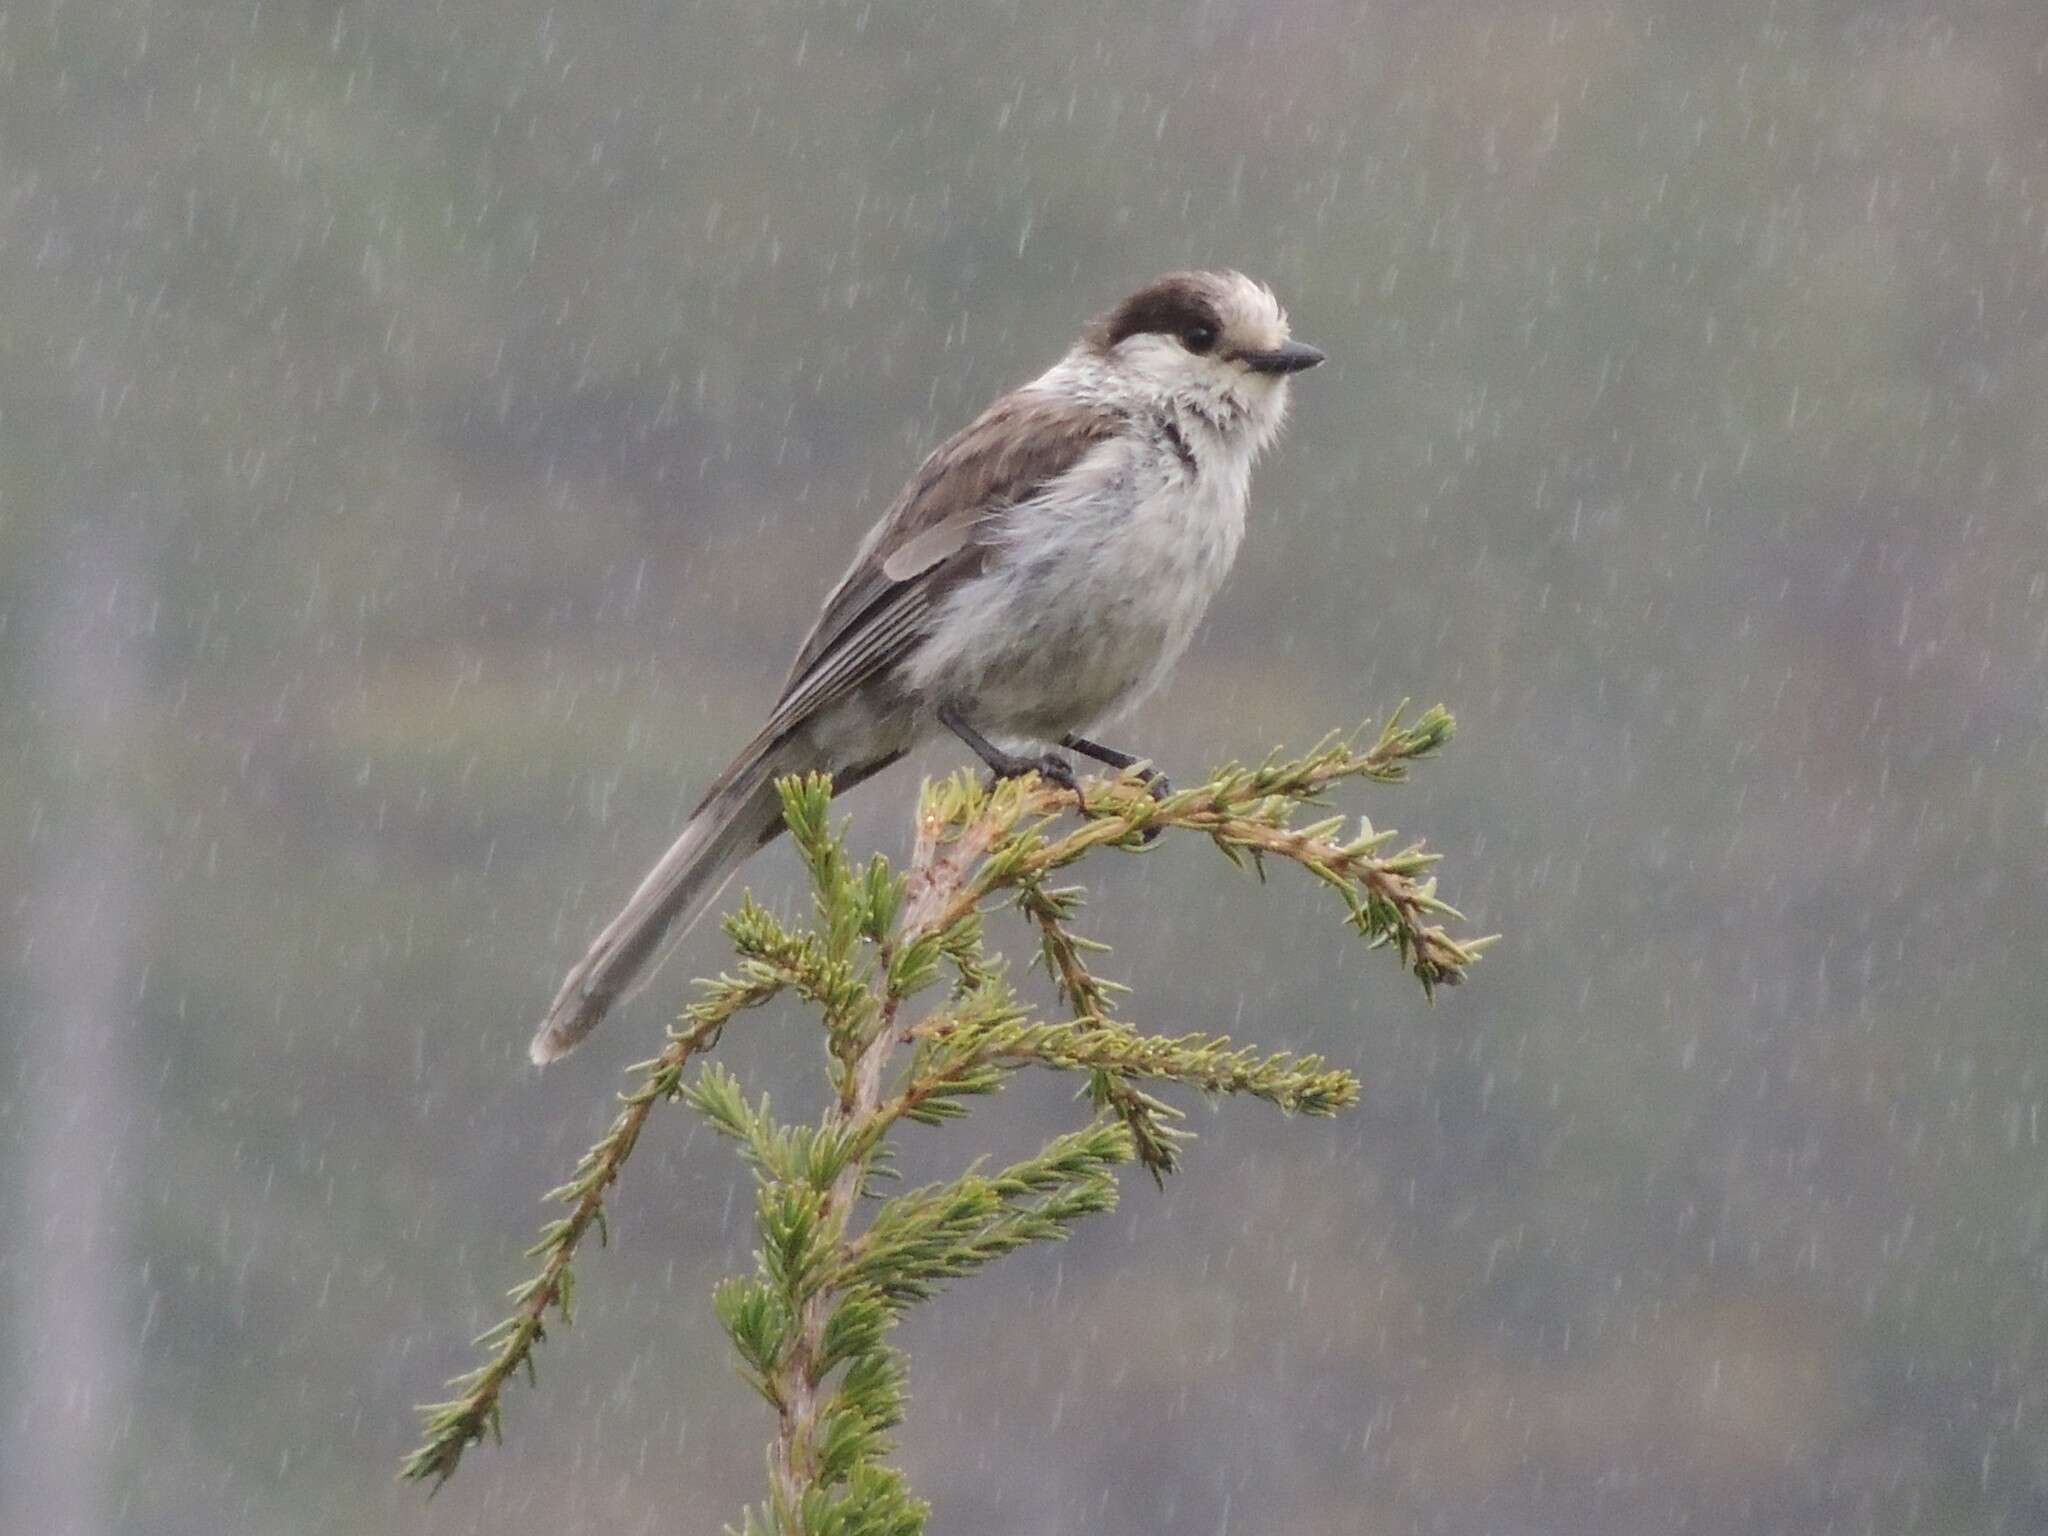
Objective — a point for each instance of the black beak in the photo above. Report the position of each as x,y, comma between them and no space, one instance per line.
1290,357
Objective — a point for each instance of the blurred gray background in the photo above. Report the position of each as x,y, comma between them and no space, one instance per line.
426,430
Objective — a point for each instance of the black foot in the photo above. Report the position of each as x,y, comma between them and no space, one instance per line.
1119,760
1155,782
1053,768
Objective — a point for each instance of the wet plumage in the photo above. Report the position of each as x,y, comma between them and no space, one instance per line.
1041,572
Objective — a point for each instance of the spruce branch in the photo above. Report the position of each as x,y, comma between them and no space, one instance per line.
920,1239
1155,1140
1248,814
452,1427
835,1266
1295,1084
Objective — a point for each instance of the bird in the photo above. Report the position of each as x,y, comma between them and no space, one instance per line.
1041,573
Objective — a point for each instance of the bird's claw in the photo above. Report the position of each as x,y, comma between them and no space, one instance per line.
1157,786
1052,768
1055,769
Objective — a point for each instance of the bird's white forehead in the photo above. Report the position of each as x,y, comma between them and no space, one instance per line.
1251,315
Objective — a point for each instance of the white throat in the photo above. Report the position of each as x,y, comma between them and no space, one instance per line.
1222,413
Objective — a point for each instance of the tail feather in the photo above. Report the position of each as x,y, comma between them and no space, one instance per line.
739,813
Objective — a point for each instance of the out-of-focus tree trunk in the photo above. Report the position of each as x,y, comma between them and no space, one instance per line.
76,925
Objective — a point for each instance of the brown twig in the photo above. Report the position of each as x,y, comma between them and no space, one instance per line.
1156,1142
452,1427
1247,810
937,868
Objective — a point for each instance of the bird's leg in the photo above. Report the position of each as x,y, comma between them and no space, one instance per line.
1155,781
1053,768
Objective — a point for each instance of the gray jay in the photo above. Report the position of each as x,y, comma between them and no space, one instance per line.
1042,571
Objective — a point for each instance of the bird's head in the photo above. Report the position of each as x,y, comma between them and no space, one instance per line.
1215,343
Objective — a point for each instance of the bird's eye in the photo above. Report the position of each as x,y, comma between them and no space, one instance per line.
1198,338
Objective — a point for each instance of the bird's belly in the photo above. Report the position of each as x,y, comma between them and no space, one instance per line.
1066,673
1083,614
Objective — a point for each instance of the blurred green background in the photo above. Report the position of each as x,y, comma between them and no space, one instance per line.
426,430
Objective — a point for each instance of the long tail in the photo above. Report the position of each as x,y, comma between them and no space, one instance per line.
739,814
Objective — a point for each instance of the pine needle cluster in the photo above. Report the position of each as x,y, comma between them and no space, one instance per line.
920,1019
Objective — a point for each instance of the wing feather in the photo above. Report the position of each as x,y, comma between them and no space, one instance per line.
887,633
934,536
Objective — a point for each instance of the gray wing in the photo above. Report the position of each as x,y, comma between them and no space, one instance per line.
932,538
